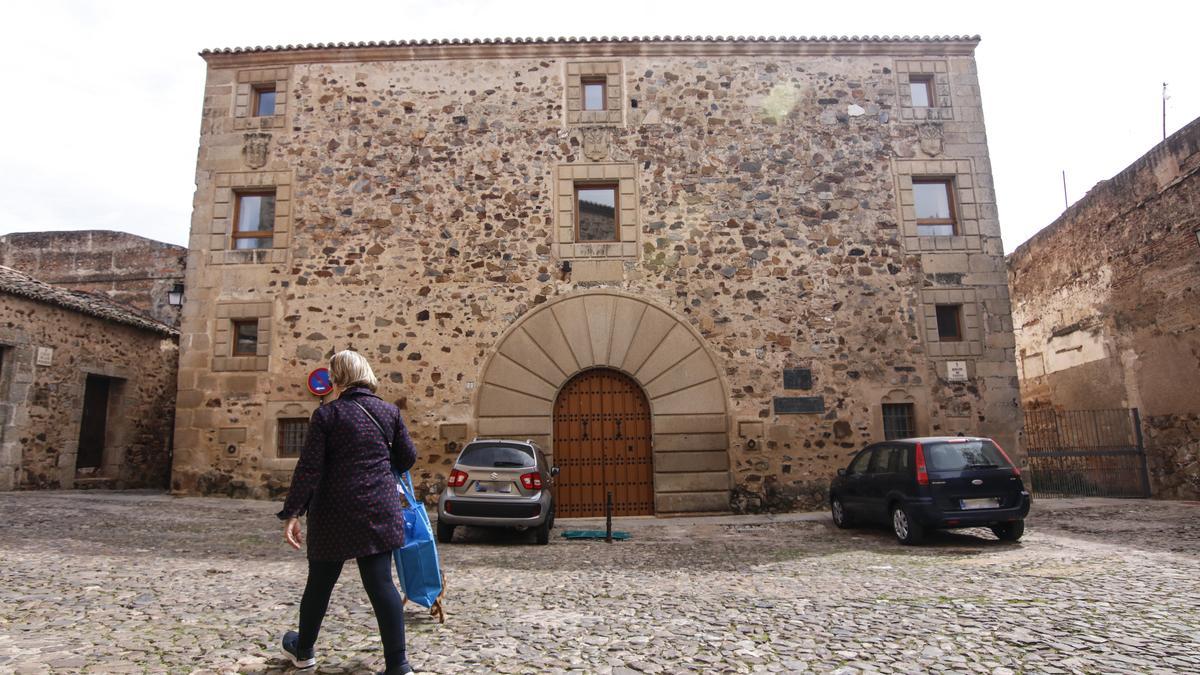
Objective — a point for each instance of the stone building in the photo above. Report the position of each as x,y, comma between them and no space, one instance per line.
1106,301
130,270
87,390
701,272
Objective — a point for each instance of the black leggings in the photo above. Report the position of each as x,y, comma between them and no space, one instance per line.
376,573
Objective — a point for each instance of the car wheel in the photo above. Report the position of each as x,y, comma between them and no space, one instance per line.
543,532
840,517
906,528
1009,531
445,532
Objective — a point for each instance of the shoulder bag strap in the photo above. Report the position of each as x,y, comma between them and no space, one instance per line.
377,425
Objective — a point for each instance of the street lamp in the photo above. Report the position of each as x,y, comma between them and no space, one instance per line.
175,295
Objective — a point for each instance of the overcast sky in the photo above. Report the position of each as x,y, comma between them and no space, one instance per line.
101,112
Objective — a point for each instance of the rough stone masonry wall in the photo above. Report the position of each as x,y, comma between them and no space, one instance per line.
41,405
421,224
125,268
1107,309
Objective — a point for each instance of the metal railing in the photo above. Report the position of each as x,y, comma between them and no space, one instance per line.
1086,453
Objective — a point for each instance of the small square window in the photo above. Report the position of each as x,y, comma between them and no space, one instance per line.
264,101
920,89
596,209
594,93
898,422
293,431
254,220
933,201
245,337
949,323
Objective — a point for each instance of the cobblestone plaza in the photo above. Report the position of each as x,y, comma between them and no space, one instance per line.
140,582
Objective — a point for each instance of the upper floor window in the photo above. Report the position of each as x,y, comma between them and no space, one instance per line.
245,337
596,209
920,89
949,323
594,92
254,219
933,201
264,100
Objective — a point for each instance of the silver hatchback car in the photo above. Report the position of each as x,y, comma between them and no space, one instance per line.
499,483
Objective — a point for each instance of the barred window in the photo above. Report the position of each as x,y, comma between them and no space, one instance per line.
898,421
292,433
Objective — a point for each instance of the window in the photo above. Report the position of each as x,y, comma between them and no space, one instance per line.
859,465
254,220
949,323
596,211
293,431
885,459
498,456
964,454
594,92
898,421
920,88
264,101
245,337
933,202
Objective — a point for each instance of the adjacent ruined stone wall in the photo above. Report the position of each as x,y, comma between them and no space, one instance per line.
765,203
41,404
125,268
1107,307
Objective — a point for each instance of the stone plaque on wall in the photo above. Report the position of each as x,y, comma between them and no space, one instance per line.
45,356
956,371
799,405
797,378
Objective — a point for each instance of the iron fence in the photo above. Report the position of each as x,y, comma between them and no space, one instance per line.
1086,453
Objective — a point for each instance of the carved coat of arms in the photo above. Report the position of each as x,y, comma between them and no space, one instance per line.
255,147
597,142
931,135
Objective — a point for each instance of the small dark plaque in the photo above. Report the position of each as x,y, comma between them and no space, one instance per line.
797,378
799,405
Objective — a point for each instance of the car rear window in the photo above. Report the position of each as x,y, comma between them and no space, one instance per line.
498,456
959,455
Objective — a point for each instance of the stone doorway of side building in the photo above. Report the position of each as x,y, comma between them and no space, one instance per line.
95,465
602,444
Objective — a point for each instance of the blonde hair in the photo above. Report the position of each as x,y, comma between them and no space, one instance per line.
350,369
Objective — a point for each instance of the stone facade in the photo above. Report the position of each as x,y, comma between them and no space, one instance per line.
125,268
55,345
425,215
1107,306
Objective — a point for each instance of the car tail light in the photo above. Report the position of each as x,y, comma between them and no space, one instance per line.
457,478
922,471
532,481
1016,471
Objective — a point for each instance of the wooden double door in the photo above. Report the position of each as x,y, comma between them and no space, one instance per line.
602,444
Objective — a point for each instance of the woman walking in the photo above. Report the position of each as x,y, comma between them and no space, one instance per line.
344,483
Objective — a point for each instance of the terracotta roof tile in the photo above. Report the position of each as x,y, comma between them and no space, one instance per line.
19,283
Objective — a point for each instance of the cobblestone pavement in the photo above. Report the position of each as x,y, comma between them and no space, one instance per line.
137,582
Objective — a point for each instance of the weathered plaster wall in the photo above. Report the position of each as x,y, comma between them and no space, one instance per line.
1107,312
768,194
41,405
125,268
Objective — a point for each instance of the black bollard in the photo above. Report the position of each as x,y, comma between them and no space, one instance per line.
608,518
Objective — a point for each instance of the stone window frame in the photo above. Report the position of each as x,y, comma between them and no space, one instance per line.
226,188
224,359
961,174
971,344
567,177
920,419
275,411
243,101
614,107
936,70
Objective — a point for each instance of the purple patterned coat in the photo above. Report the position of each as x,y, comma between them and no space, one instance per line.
344,481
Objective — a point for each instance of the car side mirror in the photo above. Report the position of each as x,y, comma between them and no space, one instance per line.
841,472
554,471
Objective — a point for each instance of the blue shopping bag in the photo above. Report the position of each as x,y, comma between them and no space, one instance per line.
417,561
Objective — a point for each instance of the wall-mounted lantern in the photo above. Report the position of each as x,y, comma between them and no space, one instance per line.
175,295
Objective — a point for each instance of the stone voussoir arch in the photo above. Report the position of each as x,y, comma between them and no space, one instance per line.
537,355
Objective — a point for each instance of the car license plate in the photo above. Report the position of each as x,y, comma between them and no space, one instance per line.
989,503
503,488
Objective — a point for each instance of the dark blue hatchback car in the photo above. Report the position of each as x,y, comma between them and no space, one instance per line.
918,484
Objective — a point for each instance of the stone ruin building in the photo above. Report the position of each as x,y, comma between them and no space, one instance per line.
700,272
1106,301
87,390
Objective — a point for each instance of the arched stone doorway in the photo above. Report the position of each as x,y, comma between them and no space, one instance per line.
664,355
602,446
